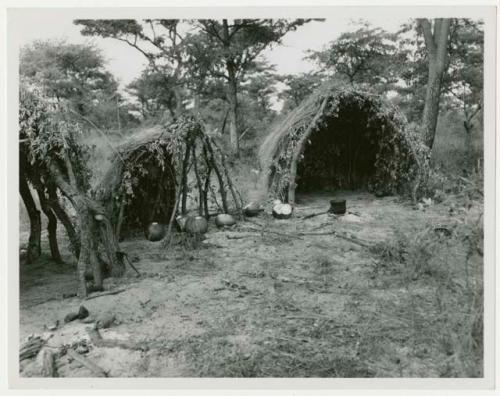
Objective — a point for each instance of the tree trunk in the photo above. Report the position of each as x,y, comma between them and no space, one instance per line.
119,221
34,242
85,250
231,90
436,43
65,220
232,98
51,226
178,101
184,180
93,233
197,103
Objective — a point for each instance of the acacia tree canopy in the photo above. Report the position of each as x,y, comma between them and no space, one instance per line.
235,46
362,56
75,74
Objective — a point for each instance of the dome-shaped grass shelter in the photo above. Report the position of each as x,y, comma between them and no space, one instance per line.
140,185
342,138
160,171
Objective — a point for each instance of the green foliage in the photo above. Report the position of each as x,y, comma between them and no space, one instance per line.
155,94
197,61
74,74
462,79
50,137
364,56
299,87
240,41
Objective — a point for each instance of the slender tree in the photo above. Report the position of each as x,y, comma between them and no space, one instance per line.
235,46
436,36
161,41
463,81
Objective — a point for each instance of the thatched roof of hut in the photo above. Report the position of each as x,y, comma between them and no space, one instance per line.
122,153
398,151
139,184
161,170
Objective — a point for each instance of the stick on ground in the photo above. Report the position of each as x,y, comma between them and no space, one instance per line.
98,371
107,293
48,363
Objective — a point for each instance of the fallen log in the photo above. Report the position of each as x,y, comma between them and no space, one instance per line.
98,371
48,363
30,348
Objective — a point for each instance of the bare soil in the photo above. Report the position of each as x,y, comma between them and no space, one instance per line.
298,297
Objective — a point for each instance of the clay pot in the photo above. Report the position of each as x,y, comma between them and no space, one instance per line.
196,225
156,232
252,209
224,220
337,206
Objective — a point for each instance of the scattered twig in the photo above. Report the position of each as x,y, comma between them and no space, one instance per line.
106,293
125,256
309,216
300,235
347,238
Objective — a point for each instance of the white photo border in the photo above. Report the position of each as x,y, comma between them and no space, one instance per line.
487,13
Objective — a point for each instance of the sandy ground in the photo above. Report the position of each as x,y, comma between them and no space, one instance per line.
249,299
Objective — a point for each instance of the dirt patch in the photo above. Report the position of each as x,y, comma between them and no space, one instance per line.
298,297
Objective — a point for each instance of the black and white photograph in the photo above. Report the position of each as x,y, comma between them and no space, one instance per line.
252,197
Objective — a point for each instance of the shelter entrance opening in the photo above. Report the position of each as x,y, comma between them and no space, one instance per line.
340,154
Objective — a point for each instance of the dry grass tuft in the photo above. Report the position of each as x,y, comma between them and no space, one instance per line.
442,276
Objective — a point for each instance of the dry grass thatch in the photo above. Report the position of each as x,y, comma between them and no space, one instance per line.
153,172
140,183
400,155
112,178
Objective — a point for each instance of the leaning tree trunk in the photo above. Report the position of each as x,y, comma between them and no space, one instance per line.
65,220
88,262
51,226
34,242
436,43
95,231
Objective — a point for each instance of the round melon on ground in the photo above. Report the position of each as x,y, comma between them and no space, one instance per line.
282,211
